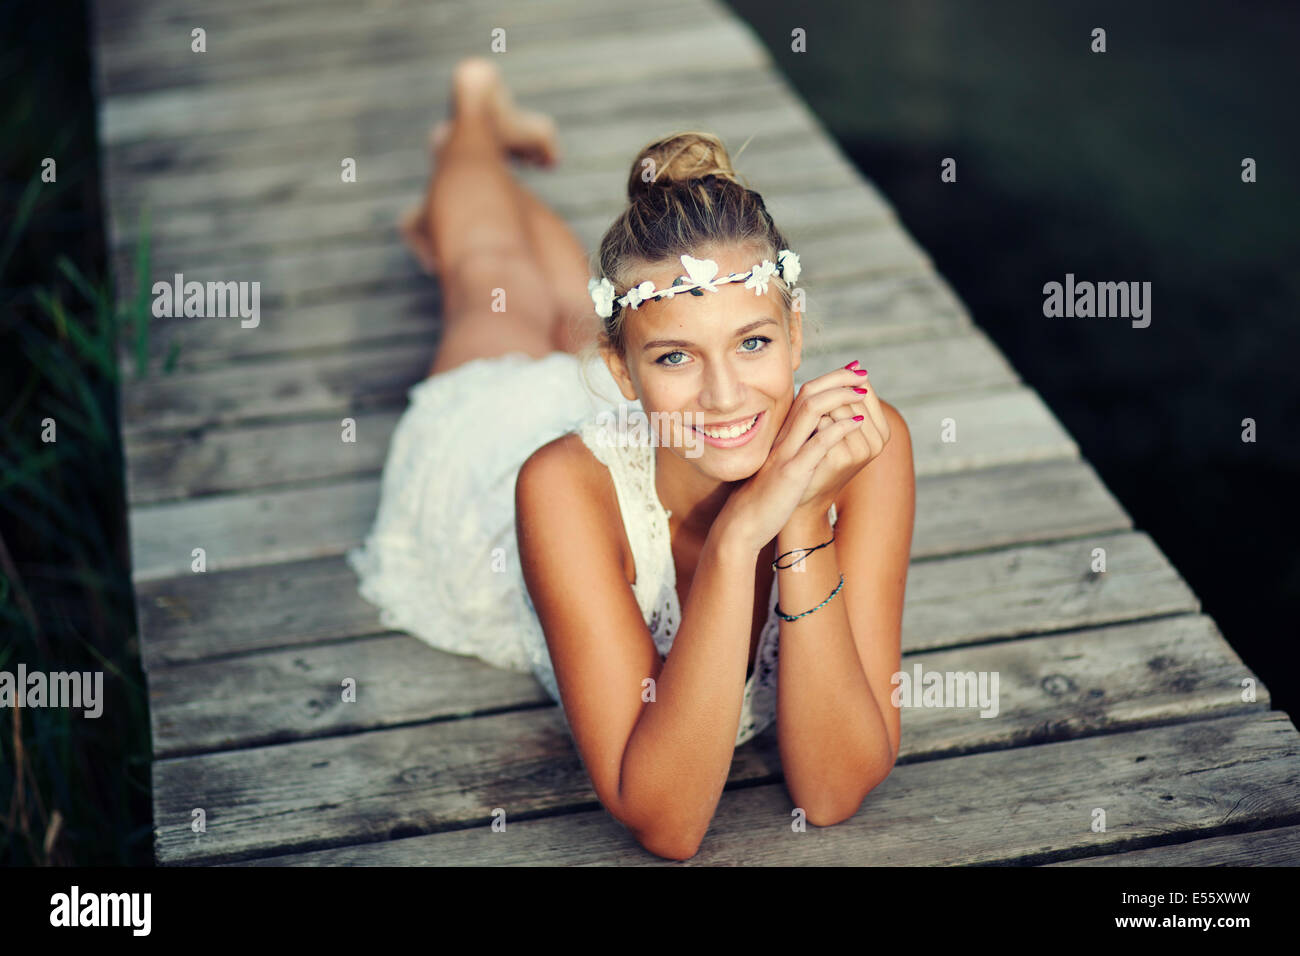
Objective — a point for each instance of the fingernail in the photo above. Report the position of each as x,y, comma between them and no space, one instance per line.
851,364
860,391
860,371
858,418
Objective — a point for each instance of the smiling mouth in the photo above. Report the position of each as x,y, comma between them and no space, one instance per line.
728,431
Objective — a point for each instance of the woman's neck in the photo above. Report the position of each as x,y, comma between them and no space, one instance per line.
693,499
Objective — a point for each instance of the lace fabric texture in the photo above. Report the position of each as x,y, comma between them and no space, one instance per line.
442,562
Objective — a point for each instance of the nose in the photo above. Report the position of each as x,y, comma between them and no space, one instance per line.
723,388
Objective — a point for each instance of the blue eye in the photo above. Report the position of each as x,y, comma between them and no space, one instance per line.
762,341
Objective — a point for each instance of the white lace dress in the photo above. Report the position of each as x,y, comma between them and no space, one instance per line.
442,561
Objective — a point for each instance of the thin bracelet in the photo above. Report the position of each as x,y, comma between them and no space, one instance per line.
794,617
806,552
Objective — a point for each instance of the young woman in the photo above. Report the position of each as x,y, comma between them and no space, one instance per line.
536,519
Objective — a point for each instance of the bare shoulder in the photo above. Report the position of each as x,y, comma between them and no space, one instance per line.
566,459
563,488
563,469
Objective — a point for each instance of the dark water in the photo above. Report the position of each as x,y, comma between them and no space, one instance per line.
1116,166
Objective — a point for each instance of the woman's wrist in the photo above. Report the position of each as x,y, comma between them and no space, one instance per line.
804,525
728,538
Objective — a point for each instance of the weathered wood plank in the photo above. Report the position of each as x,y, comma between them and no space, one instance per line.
598,121
251,530
332,384
231,232
280,164
1069,685
128,16
1003,427
127,23
384,264
243,48
256,457
681,47
821,216
988,508
280,202
886,310
1023,805
1018,590
1279,846
1027,590
222,613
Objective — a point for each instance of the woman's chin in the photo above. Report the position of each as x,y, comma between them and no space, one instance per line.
730,464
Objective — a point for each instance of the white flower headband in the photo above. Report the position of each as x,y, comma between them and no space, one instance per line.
700,275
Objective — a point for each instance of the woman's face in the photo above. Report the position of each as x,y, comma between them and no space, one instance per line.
703,363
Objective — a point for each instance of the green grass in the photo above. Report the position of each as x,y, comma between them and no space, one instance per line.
73,790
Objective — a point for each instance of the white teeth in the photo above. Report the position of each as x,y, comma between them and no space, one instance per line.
734,431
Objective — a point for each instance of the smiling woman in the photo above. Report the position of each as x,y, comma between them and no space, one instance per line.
645,575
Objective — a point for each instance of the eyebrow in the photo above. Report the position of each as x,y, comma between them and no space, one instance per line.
682,343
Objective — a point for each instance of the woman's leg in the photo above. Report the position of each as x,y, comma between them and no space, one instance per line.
565,263
495,295
481,231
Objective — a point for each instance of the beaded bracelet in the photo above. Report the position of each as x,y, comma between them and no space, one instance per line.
806,552
794,617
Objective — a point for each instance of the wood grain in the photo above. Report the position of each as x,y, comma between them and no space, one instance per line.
1026,805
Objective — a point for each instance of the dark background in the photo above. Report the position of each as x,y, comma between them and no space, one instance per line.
1122,166
72,790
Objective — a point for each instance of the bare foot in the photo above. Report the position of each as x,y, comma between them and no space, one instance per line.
526,134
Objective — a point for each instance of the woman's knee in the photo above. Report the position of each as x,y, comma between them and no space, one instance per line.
500,281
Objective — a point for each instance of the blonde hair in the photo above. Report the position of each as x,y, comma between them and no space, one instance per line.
683,197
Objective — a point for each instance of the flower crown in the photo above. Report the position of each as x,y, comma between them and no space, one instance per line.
701,274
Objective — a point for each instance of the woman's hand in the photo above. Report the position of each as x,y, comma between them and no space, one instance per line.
849,456
833,428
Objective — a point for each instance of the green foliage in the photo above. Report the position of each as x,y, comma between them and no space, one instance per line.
73,790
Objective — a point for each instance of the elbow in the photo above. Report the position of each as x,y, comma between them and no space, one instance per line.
667,839
670,843
827,813
672,846
667,835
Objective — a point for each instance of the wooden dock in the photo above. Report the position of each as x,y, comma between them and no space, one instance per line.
1116,694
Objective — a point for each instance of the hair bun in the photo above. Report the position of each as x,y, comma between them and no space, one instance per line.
680,158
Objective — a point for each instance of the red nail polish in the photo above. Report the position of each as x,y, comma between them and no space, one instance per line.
851,364
860,371
858,418
860,391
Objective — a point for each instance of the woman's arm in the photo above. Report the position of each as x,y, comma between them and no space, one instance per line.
838,731
658,767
